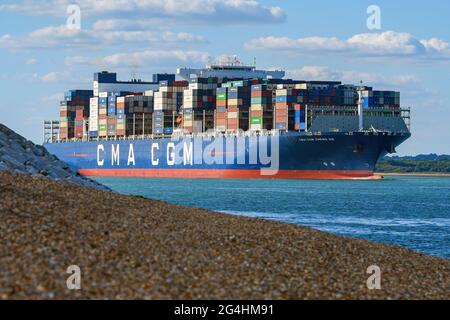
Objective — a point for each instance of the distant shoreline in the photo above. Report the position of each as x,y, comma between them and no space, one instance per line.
415,174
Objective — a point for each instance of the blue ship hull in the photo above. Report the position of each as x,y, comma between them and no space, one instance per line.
287,156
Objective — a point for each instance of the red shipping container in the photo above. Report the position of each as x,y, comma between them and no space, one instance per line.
221,103
79,131
281,105
281,112
180,83
64,114
81,114
256,94
256,113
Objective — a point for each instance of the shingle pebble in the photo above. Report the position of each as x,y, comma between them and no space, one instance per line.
133,248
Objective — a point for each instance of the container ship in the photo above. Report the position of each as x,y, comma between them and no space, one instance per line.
228,120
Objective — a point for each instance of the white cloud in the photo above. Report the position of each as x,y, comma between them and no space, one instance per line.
54,76
31,61
141,59
174,11
319,73
435,44
128,24
65,37
387,43
53,98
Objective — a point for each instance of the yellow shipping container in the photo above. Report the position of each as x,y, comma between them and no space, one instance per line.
233,102
301,86
232,115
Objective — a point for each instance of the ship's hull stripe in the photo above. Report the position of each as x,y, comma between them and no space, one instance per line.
230,174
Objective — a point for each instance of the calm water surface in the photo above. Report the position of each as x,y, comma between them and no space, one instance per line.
413,212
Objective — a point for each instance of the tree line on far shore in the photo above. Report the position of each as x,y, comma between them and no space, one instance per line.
417,164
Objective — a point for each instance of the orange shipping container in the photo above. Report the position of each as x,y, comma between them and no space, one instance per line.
221,115
281,113
221,103
256,113
281,105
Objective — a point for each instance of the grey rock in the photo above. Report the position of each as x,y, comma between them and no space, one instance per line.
22,156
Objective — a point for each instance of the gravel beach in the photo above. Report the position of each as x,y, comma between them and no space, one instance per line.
133,248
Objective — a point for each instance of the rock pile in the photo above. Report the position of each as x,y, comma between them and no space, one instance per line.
19,155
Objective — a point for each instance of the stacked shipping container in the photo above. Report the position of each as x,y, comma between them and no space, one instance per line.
221,109
238,104
261,107
207,103
199,102
134,115
170,95
74,112
381,99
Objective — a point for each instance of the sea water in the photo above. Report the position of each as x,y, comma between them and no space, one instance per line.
412,212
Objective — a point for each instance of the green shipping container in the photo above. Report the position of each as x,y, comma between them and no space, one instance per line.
256,120
261,100
221,96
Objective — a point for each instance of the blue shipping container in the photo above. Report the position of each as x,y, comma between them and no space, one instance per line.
168,130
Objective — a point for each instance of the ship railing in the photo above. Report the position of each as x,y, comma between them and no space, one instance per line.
226,134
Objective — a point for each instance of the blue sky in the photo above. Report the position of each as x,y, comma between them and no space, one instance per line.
40,57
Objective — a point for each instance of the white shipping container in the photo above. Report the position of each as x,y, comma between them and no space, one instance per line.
93,124
93,114
198,126
255,127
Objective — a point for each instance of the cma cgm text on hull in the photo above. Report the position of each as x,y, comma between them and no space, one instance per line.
262,152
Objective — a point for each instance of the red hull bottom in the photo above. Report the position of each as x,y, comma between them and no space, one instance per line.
231,174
